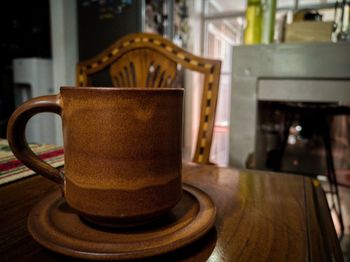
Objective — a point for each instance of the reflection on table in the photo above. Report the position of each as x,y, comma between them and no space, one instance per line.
261,216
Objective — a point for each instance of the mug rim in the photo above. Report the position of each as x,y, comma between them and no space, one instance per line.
75,88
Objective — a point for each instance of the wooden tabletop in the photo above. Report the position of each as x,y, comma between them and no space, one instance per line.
261,216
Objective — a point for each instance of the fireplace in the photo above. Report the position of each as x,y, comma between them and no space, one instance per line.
267,74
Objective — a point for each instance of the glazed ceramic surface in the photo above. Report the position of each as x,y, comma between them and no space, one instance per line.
122,150
54,225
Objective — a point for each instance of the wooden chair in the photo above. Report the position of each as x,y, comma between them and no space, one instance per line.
151,61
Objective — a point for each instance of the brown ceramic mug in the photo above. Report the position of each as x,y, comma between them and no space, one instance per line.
122,150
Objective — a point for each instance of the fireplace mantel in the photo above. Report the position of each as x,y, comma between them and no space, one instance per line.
282,72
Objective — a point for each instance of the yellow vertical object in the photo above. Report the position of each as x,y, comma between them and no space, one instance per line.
252,34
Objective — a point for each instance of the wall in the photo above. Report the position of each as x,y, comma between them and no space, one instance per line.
64,48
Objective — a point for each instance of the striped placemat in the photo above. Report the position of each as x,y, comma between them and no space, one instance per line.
12,169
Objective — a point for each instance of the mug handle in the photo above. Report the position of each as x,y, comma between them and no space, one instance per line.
18,143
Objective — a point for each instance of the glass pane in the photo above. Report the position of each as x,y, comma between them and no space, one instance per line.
315,2
291,3
224,101
217,6
220,146
285,3
221,35
328,15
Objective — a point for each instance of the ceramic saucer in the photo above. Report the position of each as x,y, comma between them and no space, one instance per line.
55,226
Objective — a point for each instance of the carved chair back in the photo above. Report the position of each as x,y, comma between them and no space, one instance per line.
151,61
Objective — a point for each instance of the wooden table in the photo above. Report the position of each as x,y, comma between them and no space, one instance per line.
261,216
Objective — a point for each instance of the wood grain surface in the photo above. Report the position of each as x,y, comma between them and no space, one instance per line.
261,216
